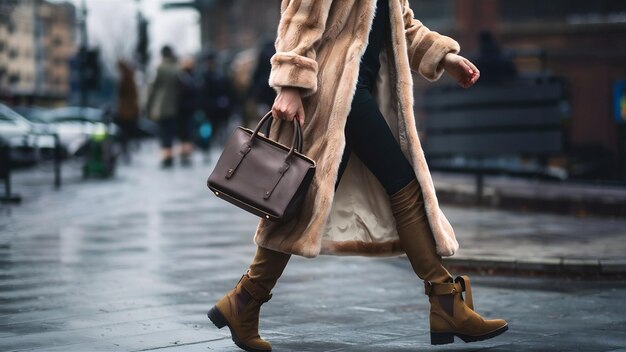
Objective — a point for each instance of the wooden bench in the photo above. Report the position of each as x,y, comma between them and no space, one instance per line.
475,130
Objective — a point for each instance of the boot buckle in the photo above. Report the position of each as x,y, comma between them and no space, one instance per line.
428,288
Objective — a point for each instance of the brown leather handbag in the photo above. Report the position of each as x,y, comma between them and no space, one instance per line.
262,176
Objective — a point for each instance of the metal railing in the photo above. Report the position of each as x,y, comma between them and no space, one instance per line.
6,166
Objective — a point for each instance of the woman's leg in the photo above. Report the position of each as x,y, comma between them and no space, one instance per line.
240,308
267,267
369,137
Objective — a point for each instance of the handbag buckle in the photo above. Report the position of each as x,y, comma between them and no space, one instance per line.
283,168
245,149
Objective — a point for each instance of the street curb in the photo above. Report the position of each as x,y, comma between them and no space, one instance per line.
601,268
555,205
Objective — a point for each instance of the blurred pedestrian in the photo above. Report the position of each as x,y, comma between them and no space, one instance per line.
218,96
350,76
162,104
190,86
260,91
495,65
127,112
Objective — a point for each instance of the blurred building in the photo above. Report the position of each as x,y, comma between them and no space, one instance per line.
36,44
57,23
579,40
17,48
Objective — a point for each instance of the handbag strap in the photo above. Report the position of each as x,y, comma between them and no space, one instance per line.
281,173
243,151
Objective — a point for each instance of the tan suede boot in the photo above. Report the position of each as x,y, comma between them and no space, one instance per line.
240,308
449,315
416,237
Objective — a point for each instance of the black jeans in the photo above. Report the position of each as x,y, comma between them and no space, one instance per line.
369,137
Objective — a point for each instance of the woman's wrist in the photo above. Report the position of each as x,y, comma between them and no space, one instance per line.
447,60
290,89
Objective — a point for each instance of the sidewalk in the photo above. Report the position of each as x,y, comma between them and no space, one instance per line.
133,263
522,194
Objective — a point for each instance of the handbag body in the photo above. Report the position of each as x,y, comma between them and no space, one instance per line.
262,176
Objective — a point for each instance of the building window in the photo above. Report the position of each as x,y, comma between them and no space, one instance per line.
10,27
14,78
13,53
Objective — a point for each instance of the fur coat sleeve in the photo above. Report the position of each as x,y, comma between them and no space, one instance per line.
426,48
294,63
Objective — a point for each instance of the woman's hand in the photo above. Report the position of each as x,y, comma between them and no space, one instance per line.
461,69
288,105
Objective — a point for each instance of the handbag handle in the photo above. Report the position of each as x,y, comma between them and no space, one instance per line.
296,143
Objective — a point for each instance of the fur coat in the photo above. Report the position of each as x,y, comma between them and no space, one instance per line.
318,49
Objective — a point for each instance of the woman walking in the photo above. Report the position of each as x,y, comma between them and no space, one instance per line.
343,70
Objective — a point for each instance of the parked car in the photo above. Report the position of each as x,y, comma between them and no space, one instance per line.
43,131
17,133
75,126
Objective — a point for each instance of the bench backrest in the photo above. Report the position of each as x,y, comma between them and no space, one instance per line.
522,117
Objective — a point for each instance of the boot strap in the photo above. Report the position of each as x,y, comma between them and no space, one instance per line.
461,284
432,289
254,290
465,283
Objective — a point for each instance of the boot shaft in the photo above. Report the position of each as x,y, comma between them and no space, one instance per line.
416,236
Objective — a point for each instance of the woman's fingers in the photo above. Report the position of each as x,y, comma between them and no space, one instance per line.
282,111
462,70
288,105
279,113
470,73
474,70
300,115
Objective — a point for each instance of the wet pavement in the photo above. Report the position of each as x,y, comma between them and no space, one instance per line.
133,263
580,198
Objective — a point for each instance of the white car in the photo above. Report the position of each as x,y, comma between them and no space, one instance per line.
17,132
74,125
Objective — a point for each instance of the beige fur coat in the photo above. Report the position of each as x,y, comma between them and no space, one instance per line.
319,48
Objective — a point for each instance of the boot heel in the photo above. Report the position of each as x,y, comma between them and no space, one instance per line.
217,318
441,338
